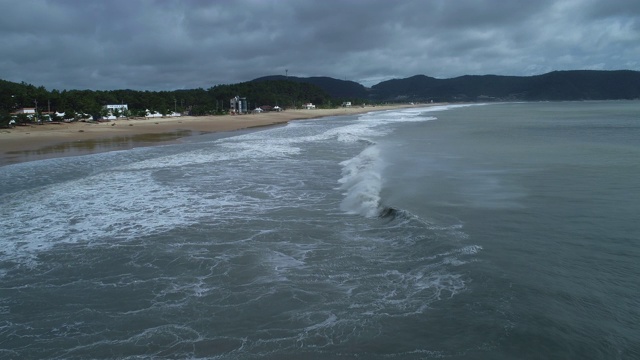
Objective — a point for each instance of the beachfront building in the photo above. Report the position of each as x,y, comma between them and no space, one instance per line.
63,116
154,114
121,108
238,105
346,104
31,111
151,114
309,106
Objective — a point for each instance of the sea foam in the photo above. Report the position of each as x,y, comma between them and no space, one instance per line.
362,175
362,183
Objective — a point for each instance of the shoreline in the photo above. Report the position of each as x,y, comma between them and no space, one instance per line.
35,142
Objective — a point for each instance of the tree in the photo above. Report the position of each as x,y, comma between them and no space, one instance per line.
22,118
103,112
5,118
69,115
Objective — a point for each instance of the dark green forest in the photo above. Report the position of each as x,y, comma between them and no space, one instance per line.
338,89
215,100
554,86
325,92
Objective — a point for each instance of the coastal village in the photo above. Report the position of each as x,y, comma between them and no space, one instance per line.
57,133
237,106
23,104
36,122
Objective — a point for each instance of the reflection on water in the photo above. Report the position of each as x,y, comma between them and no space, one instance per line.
81,147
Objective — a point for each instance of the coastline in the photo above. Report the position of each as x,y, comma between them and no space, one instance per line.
34,142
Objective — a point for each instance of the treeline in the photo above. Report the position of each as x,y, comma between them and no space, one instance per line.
553,86
215,100
342,90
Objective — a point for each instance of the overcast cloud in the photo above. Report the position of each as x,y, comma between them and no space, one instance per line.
168,45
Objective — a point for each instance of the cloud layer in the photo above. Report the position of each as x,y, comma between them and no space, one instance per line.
168,45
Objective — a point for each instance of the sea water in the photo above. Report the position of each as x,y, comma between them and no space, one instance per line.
499,231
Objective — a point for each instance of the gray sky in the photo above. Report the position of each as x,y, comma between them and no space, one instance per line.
169,45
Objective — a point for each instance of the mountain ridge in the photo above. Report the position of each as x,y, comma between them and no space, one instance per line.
552,86
336,88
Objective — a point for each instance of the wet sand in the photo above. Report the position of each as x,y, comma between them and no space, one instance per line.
33,142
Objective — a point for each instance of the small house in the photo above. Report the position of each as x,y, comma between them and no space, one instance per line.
26,111
121,108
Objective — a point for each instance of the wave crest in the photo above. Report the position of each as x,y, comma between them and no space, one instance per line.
362,182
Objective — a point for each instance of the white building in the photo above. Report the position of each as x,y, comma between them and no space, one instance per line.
155,114
150,114
26,111
309,106
121,107
30,112
238,105
110,108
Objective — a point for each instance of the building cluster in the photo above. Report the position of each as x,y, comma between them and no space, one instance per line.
240,105
237,105
111,112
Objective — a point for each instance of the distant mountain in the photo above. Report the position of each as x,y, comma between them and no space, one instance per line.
215,100
557,85
326,91
338,89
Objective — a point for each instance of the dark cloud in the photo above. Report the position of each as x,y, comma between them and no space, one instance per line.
165,45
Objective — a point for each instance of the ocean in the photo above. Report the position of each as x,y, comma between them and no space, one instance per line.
484,231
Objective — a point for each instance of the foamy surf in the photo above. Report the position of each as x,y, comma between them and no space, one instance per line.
243,241
362,181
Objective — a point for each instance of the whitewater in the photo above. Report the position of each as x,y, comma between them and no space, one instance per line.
459,231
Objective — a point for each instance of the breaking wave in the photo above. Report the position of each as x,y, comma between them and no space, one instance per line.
362,181
362,178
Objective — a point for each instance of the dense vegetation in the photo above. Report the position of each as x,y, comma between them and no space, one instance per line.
291,92
340,90
553,86
215,100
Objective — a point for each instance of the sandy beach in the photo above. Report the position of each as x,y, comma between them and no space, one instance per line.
25,143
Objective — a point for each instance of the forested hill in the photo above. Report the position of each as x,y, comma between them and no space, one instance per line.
287,94
338,89
553,86
292,91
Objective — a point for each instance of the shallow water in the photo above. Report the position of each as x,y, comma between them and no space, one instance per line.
92,146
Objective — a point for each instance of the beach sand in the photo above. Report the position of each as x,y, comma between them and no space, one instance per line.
26,143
